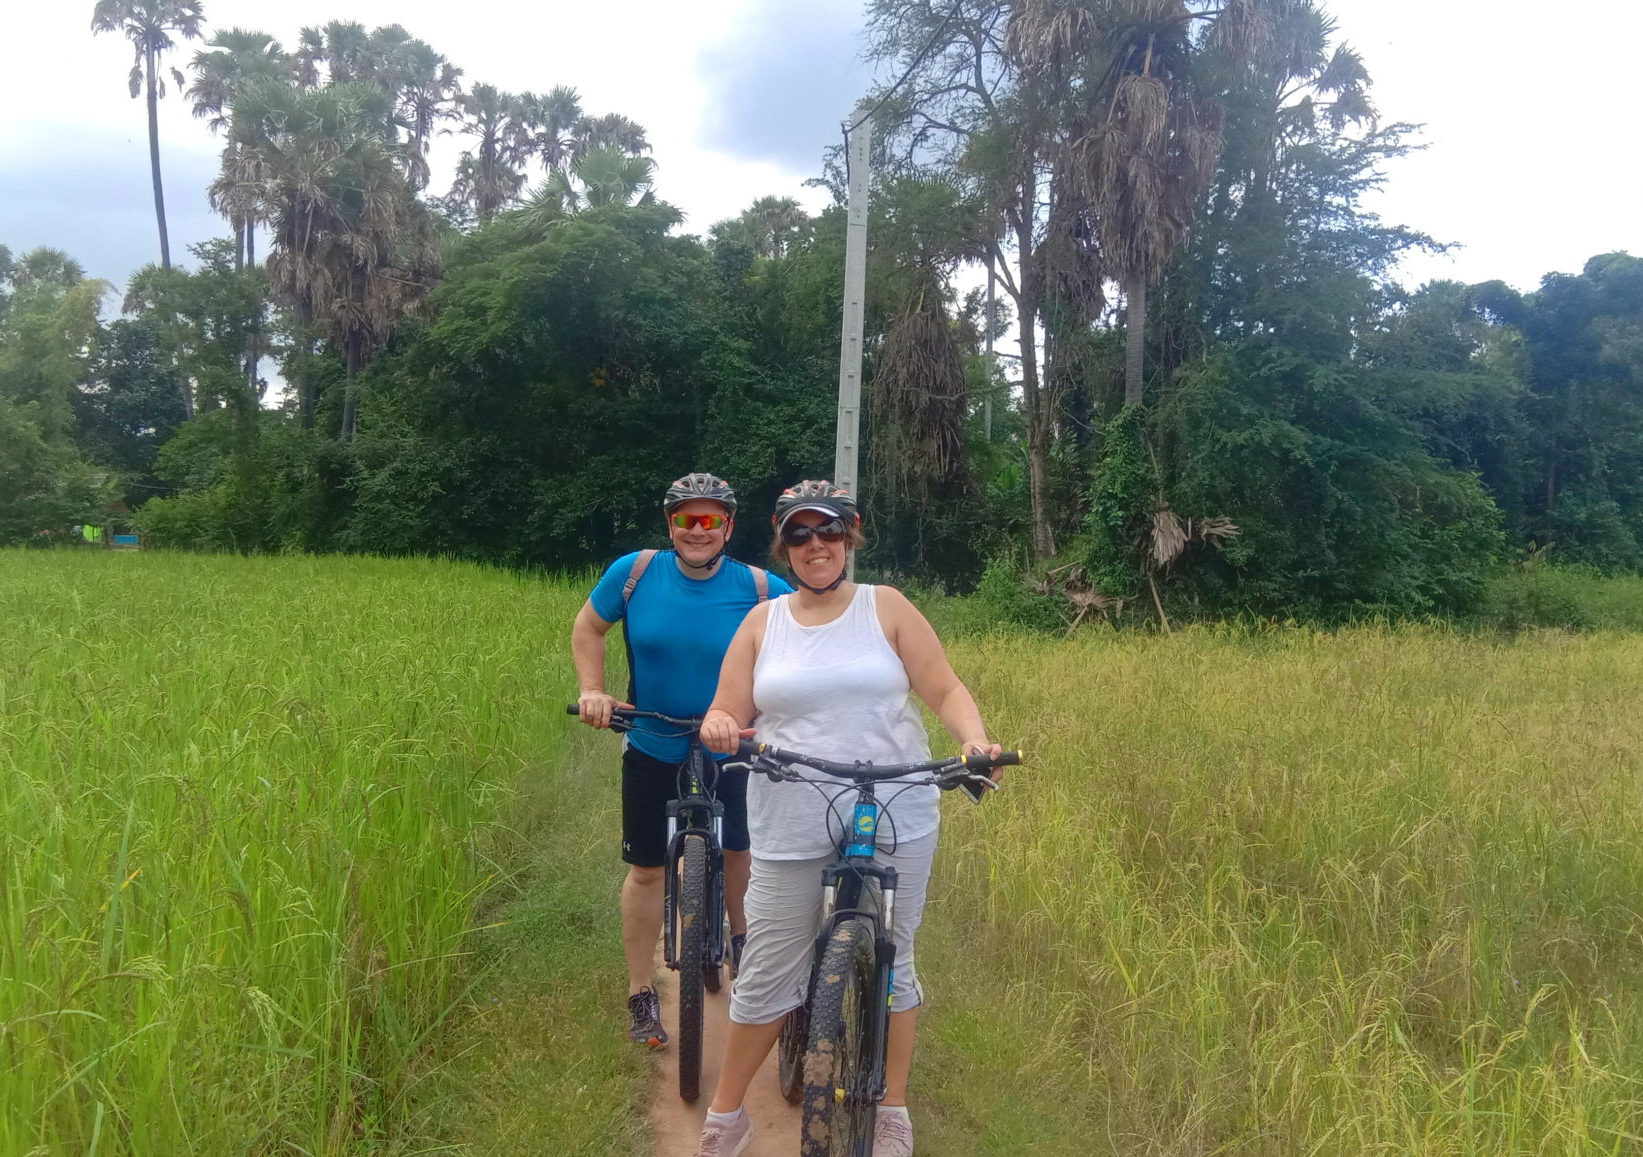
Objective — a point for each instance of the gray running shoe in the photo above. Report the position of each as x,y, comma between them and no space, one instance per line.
646,1010
726,1140
892,1135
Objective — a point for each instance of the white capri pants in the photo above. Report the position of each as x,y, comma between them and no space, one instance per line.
784,900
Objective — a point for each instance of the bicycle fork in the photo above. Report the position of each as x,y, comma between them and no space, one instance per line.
713,934
843,896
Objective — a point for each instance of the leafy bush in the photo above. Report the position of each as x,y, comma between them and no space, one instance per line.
1534,593
1006,597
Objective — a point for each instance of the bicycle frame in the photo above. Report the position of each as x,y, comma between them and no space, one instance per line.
845,895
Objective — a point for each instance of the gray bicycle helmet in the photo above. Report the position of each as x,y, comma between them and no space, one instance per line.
698,485
815,494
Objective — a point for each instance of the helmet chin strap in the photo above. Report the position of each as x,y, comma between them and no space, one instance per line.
832,586
708,565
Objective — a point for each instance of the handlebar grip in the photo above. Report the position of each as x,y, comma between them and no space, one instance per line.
573,709
746,749
979,761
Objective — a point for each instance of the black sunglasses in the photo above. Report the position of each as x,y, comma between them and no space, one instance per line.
797,534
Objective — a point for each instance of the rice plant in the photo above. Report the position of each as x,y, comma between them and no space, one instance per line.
246,808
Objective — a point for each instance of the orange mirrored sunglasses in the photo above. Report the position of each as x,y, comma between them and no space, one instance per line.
705,521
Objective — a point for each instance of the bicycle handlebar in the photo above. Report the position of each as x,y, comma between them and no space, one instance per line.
969,773
629,714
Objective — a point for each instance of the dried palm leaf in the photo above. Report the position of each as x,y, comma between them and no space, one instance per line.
1169,537
1050,36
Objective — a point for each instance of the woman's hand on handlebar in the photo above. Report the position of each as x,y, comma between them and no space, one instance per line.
595,707
982,747
720,731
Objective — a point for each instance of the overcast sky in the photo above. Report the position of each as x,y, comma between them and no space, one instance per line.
1529,166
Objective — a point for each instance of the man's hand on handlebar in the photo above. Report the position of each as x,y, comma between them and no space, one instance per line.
594,707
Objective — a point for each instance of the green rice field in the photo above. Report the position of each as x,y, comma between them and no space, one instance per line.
300,856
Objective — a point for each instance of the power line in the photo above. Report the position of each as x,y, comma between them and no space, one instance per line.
917,60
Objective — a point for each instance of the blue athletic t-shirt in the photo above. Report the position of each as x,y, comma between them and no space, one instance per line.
679,629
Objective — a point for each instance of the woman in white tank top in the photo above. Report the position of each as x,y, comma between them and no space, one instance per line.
830,671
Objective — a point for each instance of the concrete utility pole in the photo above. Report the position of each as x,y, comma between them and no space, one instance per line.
987,398
858,157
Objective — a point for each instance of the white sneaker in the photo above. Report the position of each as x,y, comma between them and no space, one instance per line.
892,1134
727,1140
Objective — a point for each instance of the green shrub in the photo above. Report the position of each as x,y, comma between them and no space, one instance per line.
1005,597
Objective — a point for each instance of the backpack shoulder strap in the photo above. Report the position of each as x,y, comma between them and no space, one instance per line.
761,584
634,575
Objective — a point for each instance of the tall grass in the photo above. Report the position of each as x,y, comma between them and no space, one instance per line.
1280,892
246,807
1374,891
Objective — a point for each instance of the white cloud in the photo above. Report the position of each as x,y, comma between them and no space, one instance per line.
1529,163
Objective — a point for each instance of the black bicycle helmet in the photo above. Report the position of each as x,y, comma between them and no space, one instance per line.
815,494
698,485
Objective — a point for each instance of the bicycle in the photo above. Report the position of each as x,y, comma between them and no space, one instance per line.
693,897
833,1048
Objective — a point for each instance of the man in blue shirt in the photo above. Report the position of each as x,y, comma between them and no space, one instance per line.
680,617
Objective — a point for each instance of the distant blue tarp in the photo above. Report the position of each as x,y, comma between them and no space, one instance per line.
125,540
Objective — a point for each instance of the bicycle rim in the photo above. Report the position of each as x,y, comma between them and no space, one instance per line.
838,1100
692,940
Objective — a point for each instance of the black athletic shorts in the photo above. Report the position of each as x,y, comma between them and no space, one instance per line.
647,786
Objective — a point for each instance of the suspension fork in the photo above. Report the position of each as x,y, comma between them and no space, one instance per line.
694,814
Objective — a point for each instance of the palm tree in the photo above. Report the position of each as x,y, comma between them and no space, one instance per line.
490,175
149,25
550,121
600,178
773,224
611,131
341,46
1142,143
424,85
352,249
46,266
232,60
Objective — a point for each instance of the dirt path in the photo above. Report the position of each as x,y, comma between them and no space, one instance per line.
678,1125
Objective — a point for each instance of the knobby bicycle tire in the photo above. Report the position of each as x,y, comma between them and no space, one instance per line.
838,1063
794,1041
692,948
711,972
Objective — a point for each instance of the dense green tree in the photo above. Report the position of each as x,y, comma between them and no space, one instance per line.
48,347
131,407
49,336
45,488
204,321
1583,334
150,25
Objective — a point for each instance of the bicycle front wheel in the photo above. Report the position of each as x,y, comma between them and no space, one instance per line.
692,951
839,1061
795,1039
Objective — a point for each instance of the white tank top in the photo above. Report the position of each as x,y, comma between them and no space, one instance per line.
838,691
